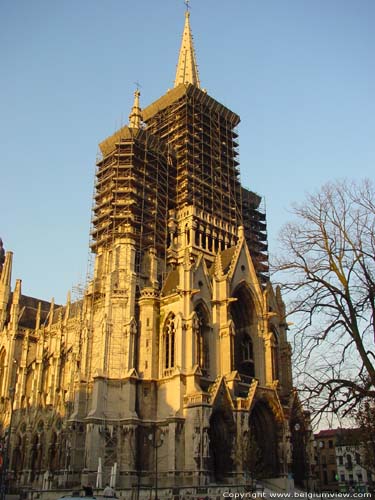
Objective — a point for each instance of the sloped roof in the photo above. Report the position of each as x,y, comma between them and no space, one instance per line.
29,305
125,133
186,89
171,283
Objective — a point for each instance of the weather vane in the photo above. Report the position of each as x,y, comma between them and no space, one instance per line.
138,85
187,3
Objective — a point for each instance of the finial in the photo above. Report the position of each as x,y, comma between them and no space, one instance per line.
2,255
135,116
51,312
17,292
38,316
187,68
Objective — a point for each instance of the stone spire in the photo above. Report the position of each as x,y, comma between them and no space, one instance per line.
135,116
187,69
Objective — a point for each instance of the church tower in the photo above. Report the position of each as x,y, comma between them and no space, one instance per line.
174,368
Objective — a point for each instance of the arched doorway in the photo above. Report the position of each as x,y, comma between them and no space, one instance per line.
262,452
221,435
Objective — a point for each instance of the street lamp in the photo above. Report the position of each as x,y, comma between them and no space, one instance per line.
320,446
156,438
301,455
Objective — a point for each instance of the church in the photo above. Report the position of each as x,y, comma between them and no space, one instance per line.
173,369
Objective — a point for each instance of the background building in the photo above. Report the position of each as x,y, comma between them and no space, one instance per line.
174,367
340,459
325,449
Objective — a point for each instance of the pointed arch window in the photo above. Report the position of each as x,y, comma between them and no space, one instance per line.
2,369
275,355
187,234
201,330
169,335
247,352
244,319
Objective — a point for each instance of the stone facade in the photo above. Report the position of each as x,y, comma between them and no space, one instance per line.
175,363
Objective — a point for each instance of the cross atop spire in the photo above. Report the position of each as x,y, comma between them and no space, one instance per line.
187,68
135,116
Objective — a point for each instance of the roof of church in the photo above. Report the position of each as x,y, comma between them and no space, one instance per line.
126,133
187,68
186,84
173,95
187,89
171,283
29,308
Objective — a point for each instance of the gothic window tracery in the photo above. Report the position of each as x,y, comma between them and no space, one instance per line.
169,335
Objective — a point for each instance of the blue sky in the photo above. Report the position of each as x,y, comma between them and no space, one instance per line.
300,73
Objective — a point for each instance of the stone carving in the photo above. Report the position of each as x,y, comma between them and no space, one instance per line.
206,444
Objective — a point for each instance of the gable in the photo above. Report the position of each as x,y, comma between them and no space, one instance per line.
202,282
242,270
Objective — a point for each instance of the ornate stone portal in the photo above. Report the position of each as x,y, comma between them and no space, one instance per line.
175,363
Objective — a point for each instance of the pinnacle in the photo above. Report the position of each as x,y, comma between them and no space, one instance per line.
187,68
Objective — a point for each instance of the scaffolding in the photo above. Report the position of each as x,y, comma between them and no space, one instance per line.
134,192
202,133
254,222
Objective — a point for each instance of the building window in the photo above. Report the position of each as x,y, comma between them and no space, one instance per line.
332,459
342,478
247,350
330,443
243,315
275,356
341,460
2,369
169,342
201,331
358,458
187,233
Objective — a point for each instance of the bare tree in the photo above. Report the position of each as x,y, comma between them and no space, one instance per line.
328,275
